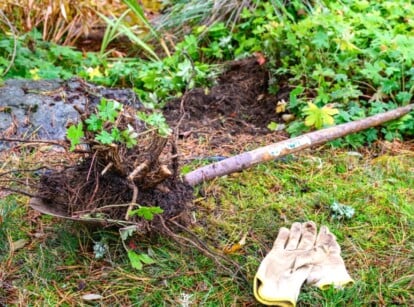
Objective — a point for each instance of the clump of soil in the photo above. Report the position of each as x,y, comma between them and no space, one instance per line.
82,191
111,181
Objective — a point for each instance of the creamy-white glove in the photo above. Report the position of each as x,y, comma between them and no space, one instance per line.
331,271
286,267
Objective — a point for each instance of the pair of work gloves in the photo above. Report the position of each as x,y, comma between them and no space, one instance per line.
298,255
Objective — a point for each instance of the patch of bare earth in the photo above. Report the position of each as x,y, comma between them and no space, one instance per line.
230,118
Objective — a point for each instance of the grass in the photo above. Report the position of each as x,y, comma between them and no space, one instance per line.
57,265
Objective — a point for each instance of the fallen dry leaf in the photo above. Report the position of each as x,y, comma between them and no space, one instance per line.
92,297
236,247
16,245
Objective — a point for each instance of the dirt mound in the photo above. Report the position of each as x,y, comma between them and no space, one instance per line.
230,118
239,102
81,193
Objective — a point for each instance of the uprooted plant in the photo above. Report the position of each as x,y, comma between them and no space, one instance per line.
124,153
125,175
118,167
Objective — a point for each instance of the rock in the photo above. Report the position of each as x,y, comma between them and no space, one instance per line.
43,109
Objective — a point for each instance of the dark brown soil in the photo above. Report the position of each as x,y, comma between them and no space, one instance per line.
63,191
230,118
239,102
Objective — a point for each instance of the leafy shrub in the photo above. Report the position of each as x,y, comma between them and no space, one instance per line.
37,59
357,55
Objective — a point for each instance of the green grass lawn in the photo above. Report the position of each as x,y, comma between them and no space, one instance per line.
57,266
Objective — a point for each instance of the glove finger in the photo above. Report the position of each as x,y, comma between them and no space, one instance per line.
307,241
327,240
282,239
294,236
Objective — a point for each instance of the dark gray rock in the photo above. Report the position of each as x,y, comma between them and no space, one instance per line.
43,109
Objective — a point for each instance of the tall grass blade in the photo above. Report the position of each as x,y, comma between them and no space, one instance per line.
116,28
139,12
112,30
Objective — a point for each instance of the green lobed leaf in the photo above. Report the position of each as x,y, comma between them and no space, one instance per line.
109,109
94,123
104,137
146,212
75,134
146,259
156,120
135,260
116,134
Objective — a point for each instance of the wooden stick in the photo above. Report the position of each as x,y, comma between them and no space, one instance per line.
280,149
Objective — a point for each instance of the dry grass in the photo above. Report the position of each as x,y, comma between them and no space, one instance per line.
64,21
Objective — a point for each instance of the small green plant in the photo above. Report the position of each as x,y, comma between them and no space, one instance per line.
340,211
146,212
75,135
103,125
319,117
138,260
156,120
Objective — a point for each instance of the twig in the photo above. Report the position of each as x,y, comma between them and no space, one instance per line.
25,170
33,141
110,164
92,163
101,220
174,158
133,203
140,168
103,208
18,191
203,248
96,187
